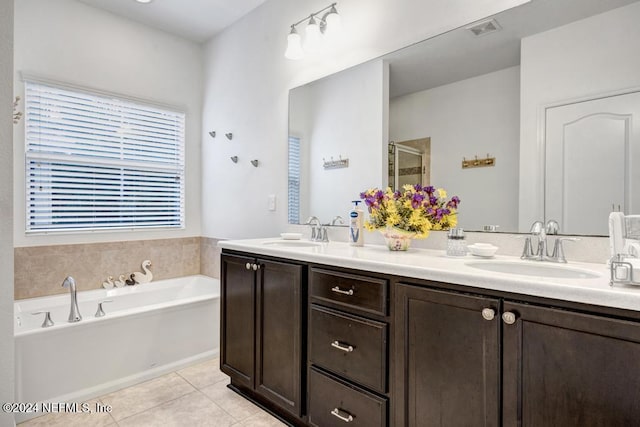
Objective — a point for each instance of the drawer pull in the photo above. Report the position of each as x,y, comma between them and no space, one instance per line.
336,289
346,418
346,348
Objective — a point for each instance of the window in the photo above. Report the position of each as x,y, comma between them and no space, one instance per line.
293,212
94,162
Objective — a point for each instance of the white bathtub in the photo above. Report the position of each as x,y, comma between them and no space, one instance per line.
148,330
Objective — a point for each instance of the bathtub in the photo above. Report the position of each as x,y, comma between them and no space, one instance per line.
148,330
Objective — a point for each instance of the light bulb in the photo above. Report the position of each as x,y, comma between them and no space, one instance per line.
313,37
294,45
333,22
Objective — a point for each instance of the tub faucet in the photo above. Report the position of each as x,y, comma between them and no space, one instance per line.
74,313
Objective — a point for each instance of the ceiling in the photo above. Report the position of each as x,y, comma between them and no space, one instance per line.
196,20
459,55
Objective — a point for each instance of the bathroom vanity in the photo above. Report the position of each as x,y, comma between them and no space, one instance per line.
328,334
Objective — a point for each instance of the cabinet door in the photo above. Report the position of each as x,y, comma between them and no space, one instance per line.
237,319
563,368
447,359
279,333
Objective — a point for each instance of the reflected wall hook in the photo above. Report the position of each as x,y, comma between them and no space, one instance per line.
254,163
212,134
234,159
229,136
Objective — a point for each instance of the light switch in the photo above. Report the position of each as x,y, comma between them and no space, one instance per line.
272,202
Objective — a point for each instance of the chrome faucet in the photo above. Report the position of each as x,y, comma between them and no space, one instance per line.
542,231
316,228
74,313
337,220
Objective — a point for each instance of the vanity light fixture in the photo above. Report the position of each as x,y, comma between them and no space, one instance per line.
212,134
234,159
229,136
144,1
316,28
254,163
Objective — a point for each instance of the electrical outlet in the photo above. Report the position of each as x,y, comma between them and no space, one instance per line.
272,202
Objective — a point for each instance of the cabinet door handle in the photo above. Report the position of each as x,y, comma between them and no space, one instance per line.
255,267
488,313
509,318
248,266
336,289
346,418
344,347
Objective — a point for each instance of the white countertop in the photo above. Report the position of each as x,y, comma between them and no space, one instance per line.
434,265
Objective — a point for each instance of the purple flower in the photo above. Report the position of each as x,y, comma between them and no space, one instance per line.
417,187
430,189
453,203
416,200
433,200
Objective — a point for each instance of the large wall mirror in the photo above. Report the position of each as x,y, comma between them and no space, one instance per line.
546,95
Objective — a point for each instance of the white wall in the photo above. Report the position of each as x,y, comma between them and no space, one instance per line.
246,92
471,117
586,58
6,210
356,97
71,42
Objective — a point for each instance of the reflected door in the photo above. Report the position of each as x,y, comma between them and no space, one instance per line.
408,162
592,149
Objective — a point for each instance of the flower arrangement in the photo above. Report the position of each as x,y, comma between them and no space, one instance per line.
414,209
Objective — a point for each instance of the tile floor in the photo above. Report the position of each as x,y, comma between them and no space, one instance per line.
194,396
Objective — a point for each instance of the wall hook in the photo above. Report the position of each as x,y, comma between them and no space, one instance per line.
254,163
234,159
212,134
229,136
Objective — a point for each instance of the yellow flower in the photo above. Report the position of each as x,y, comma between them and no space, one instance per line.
393,219
442,193
452,219
369,226
390,206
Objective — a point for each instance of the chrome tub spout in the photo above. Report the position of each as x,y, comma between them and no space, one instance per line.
74,313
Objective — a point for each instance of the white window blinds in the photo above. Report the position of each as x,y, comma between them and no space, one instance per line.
96,162
293,212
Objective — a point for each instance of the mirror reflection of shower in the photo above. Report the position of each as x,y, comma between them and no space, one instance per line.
409,162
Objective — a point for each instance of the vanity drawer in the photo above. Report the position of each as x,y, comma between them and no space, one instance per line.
353,347
334,403
361,293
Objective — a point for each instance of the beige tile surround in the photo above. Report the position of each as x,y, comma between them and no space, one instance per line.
40,270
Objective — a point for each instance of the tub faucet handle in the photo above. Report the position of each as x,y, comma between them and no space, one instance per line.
47,318
100,312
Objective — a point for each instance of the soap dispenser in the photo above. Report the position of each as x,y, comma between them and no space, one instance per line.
356,218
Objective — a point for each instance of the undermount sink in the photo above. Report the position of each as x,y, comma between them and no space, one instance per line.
292,243
535,269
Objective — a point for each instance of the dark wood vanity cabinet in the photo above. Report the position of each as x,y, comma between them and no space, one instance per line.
348,349
325,346
465,360
564,368
447,358
262,326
